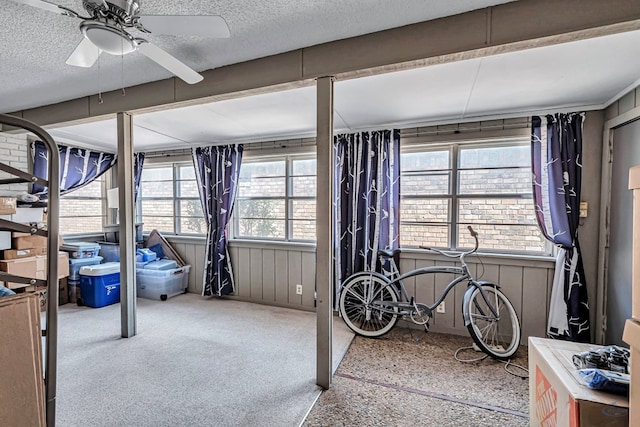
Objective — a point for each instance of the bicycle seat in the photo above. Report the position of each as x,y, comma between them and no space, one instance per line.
389,253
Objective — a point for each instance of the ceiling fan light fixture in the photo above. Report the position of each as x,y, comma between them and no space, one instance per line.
108,38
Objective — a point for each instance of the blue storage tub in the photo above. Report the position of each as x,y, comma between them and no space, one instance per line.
100,284
81,249
75,264
110,251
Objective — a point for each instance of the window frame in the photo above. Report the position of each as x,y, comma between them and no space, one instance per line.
102,179
288,198
176,198
454,194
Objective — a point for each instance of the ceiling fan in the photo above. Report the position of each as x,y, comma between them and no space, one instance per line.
105,30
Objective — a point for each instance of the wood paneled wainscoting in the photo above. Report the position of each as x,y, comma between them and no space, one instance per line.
269,273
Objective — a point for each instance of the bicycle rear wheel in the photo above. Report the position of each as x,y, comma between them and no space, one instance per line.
361,305
499,337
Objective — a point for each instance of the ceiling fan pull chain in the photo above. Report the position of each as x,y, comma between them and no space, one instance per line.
100,101
122,66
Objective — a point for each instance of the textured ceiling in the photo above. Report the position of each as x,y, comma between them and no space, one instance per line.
34,44
586,74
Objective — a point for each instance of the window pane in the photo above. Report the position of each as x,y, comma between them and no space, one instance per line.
265,228
429,160
496,211
190,207
425,235
188,189
424,210
303,186
504,237
85,224
80,216
94,189
186,172
487,181
164,224
303,209
262,187
158,214
157,174
495,157
259,209
303,167
303,229
263,169
193,225
156,189
422,184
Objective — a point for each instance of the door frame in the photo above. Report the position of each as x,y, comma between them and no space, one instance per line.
605,209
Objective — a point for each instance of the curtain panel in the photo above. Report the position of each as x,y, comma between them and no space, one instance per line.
217,171
556,144
138,163
78,167
367,198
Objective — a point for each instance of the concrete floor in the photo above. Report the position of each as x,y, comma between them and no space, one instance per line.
408,377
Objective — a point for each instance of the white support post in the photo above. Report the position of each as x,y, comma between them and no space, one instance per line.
324,231
127,223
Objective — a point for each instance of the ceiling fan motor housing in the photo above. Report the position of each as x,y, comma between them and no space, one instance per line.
123,12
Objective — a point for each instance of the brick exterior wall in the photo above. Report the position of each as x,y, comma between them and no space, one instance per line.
14,152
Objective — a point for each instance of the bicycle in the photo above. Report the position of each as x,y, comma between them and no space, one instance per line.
371,303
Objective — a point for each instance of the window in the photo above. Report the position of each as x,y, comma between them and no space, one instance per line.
83,210
446,188
276,199
169,200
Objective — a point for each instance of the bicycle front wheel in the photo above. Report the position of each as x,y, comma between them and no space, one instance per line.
362,305
498,336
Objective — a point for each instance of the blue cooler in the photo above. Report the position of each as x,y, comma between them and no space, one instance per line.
100,284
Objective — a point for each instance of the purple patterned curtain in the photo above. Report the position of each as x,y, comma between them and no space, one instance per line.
217,169
138,163
556,193
78,167
367,214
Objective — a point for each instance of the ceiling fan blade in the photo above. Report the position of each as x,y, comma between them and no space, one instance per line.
84,55
187,25
41,5
167,61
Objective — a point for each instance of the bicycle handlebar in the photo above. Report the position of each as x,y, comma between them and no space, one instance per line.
460,255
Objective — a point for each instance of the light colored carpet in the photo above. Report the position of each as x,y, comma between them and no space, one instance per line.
194,362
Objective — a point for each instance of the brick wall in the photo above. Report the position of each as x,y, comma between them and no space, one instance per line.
13,151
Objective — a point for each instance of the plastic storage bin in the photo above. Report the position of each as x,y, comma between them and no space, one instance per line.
162,284
162,264
75,264
110,251
100,284
81,249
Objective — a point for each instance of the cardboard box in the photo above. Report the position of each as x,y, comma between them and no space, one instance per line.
20,253
634,185
26,241
22,383
556,396
7,205
33,267
63,291
631,336
28,215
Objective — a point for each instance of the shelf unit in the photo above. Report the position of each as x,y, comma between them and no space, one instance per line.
50,332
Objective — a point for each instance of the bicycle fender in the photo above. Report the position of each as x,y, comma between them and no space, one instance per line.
366,274
467,297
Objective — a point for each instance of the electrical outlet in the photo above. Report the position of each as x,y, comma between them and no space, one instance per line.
298,289
440,308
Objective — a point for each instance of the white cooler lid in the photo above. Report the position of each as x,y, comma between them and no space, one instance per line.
100,269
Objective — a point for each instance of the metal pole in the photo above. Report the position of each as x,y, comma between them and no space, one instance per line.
127,224
324,231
